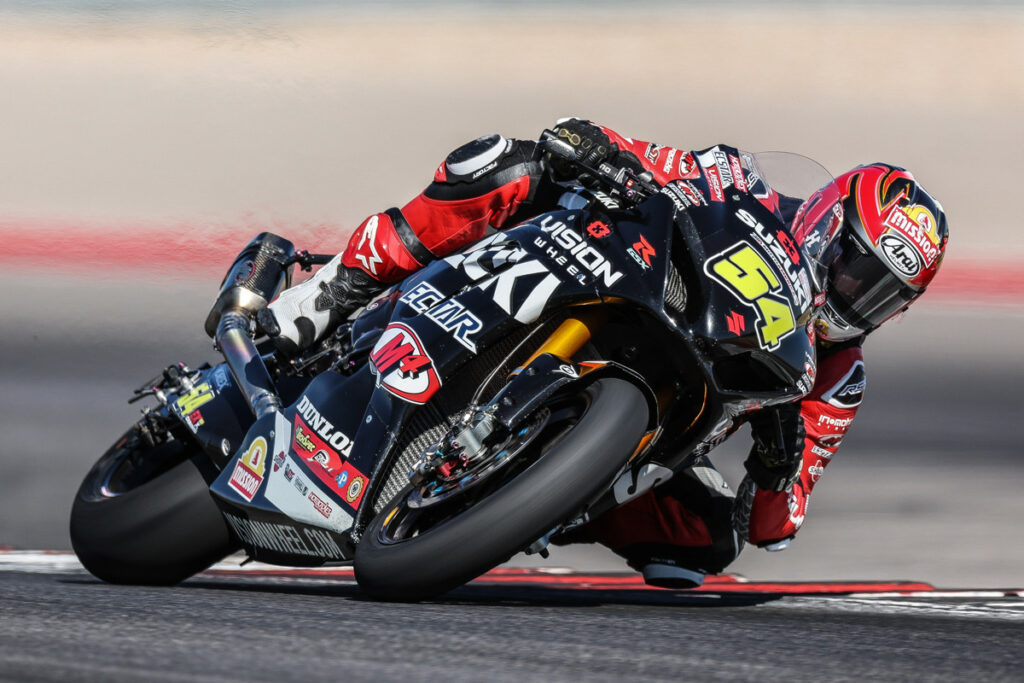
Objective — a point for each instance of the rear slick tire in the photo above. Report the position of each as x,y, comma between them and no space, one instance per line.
550,491
159,532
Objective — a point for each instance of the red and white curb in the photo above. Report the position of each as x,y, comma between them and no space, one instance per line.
853,593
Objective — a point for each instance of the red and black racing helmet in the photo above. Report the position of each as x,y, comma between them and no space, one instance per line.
890,247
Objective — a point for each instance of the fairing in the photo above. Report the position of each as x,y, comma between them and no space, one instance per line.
748,303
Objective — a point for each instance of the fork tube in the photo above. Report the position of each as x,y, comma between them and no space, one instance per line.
571,335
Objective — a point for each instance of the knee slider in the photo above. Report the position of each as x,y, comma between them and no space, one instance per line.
476,158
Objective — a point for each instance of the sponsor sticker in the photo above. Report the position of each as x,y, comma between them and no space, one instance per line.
642,252
366,251
566,238
310,420
848,392
567,370
598,229
918,225
901,254
355,490
745,273
296,494
285,538
736,323
683,194
652,152
737,174
450,315
320,505
714,184
667,168
688,169
821,452
195,421
831,440
221,378
722,164
521,286
837,422
248,473
402,365
797,507
605,200
200,395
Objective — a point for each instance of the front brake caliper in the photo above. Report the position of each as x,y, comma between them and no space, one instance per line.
470,453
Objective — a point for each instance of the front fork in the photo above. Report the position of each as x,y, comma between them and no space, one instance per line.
570,336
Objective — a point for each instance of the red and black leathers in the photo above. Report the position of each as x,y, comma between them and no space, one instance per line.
494,182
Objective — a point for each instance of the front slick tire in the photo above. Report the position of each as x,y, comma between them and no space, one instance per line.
159,526
551,490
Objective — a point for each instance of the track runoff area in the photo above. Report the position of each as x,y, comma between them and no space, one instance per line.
540,584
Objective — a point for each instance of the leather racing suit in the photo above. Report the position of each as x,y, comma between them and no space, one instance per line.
694,520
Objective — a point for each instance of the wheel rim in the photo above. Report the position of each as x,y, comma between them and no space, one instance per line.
405,522
129,465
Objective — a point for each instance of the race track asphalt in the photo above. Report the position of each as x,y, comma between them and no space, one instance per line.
59,627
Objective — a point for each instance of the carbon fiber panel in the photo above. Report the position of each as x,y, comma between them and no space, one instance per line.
429,423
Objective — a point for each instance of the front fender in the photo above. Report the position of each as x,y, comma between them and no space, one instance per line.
548,374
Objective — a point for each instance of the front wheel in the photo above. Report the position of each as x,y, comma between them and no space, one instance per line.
145,514
413,553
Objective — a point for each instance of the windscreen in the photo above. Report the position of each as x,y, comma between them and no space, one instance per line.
805,196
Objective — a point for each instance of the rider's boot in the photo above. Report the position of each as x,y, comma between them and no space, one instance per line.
668,572
309,311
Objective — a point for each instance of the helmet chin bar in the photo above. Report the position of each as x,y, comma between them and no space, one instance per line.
831,327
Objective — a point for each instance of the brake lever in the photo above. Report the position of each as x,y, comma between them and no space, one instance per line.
619,179
306,261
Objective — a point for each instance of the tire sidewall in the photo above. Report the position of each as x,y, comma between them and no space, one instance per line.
543,495
159,533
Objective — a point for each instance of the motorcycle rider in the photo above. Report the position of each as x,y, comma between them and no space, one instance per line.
889,246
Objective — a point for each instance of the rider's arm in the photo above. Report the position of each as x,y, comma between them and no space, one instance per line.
769,518
665,163
478,185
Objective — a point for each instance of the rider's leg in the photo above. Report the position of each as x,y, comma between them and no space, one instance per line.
675,533
480,185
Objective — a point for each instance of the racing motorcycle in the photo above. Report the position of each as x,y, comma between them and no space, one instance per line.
493,399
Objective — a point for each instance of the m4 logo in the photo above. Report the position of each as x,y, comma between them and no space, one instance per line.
402,365
748,277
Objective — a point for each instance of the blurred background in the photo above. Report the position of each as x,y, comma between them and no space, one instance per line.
143,143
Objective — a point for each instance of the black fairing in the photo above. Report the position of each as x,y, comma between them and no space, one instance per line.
431,325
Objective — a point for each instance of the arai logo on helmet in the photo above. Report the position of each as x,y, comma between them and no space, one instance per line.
901,254
917,223
402,365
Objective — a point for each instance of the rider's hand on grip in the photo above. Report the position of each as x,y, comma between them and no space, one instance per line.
776,459
590,144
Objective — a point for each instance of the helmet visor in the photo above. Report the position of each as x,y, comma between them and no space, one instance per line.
818,218
815,226
863,290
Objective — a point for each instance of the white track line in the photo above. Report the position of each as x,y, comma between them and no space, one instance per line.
870,605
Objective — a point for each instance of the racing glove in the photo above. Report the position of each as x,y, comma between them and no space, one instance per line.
776,458
591,144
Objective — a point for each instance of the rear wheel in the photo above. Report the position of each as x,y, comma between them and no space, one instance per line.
413,553
145,515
